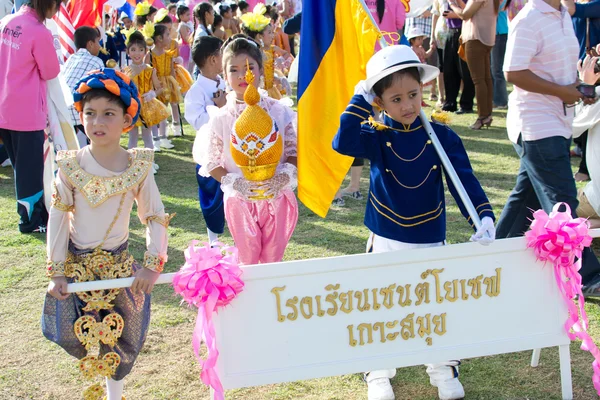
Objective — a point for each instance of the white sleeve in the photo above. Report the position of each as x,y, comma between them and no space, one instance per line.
195,109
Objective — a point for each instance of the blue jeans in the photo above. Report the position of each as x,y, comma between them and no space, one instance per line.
544,179
500,94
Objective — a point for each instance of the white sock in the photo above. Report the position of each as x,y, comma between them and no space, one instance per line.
212,237
114,389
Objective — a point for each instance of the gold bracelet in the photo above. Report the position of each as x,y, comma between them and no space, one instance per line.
154,263
54,268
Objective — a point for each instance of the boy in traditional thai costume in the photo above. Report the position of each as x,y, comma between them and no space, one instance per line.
208,91
259,28
88,231
406,205
152,111
249,146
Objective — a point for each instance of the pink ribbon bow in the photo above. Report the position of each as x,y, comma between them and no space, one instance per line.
209,279
560,239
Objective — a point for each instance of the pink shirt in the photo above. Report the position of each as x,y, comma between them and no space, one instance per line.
541,39
27,61
393,17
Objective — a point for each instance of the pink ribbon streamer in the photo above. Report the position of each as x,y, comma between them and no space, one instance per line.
209,279
560,239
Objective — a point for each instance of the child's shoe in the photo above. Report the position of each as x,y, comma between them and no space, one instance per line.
176,128
156,146
444,376
379,385
165,143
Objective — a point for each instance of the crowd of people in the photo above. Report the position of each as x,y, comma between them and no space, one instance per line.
230,64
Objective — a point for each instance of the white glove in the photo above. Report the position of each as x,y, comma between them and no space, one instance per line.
286,177
178,60
232,183
486,234
149,96
361,90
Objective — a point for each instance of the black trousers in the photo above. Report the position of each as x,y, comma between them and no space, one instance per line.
26,152
455,71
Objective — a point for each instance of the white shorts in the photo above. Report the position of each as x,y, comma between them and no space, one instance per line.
378,244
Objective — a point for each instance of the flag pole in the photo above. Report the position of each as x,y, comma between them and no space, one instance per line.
450,171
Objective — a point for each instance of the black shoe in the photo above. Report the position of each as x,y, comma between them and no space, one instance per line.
37,229
464,111
449,108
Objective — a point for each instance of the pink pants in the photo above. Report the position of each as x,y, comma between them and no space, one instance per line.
262,229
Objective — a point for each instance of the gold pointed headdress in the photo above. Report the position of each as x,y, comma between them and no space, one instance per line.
256,145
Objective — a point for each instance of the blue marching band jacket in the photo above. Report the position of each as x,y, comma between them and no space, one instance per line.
406,194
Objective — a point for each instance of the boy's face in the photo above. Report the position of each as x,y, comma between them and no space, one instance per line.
94,47
402,100
104,121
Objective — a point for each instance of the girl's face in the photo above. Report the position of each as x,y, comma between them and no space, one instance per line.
228,14
268,36
185,17
151,16
418,41
136,53
402,100
163,41
209,17
169,28
235,73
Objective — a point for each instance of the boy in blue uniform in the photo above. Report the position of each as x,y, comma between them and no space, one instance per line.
406,207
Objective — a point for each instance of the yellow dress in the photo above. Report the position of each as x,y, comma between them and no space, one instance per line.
182,75
152,112
269,80
171,91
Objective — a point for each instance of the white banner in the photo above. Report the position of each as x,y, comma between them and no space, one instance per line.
315,318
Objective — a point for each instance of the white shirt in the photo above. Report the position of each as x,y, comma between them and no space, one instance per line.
201,31
198,98
588,118
541,39
77,66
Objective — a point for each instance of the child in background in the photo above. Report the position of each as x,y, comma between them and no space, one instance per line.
185,36
152,111
249,146
172,9
143,13
281,40
228,22
243,8
162,61
259,28
406,197
217,28
205,16
88,235
234,11
416,37
85,60
209,90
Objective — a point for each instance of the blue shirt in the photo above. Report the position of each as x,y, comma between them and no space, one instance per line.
406,195
589,10
502,20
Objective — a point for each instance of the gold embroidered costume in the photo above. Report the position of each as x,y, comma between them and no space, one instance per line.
182,76
163,64
152,112
88,231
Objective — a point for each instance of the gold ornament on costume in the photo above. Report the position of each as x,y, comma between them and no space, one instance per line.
441,117
93,366
90,333
111,63
142,9
255,22
256,145
94,392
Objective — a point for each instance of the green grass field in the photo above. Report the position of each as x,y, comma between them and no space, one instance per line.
33,368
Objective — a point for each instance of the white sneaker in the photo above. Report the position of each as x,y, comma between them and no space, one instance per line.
176,129
444,376
6,163
165,143
379,384
155,165
154,170
156,146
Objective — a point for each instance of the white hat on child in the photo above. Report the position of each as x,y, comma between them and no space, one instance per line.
414,32
395,58
123,16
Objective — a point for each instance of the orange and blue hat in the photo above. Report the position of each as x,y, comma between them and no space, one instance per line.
116,83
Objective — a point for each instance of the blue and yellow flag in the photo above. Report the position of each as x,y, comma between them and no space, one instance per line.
338,38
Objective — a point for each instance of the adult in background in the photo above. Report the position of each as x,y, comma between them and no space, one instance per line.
500,97
479,37
456,69
27,61
439,35
5,8
541,58
390,16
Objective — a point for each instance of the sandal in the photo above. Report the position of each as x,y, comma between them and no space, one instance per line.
355,195
338,202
